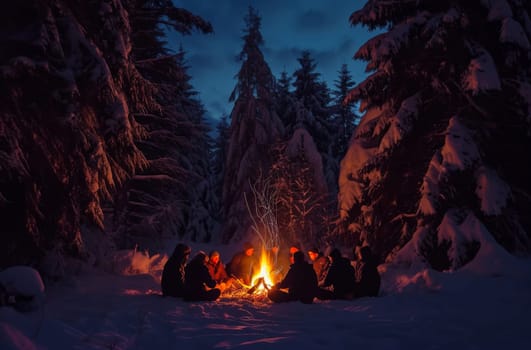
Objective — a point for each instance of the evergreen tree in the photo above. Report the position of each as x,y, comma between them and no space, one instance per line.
66,134
171,195
313,113
298,173
149,18
221,144
344,117
202,224
254,128
298,178
219,155
312,101
436,169
71,87
285,101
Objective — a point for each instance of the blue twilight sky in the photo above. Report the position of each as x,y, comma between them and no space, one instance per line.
288,28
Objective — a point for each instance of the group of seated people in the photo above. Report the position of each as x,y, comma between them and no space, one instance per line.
326,277
202,279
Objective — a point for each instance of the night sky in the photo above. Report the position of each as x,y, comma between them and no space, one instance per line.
288,28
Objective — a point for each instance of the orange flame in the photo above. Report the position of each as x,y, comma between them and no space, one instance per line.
264,272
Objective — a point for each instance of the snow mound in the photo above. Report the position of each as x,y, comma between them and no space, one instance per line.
22,280
134,262
399,280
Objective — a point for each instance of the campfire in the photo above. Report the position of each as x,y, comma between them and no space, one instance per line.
262,281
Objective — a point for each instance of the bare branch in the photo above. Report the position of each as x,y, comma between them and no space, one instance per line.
263,213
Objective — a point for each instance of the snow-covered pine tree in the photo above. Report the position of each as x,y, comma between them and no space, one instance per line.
285,101
297,176
219,155
344,118
313,114
255,126
437,166
158,201
66,134
221,145
312,103
202,214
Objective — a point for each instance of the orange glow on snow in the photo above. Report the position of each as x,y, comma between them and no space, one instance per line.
131,292
139,292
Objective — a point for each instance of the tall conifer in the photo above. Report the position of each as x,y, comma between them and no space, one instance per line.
436,169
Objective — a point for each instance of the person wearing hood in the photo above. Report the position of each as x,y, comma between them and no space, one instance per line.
300,281
341,277
199,285
173,275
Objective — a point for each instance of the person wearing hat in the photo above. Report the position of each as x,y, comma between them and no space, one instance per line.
243,264
340,276
320,264
199,285
217,271
300,281
173,275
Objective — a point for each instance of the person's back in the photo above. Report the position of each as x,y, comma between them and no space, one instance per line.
367,276
304,284
341,276
197,277
300,281
173,274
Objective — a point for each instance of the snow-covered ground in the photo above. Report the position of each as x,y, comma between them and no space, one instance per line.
420,309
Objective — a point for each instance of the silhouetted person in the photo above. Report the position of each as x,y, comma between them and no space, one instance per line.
173,275
300,281
341,277
243,264
199,285
367,276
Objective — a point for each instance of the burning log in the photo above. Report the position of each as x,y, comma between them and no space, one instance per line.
240,282
260,281
256,285
262,278
252,289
